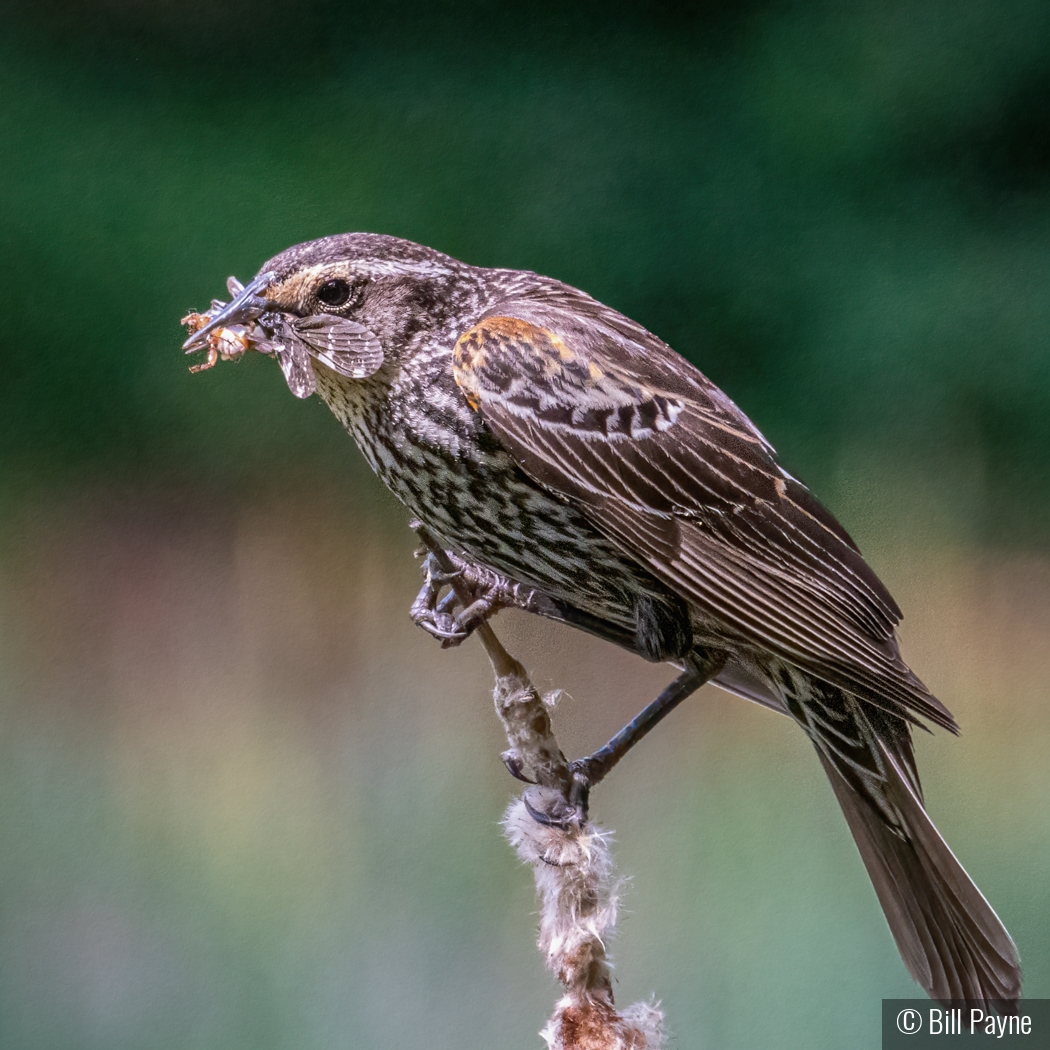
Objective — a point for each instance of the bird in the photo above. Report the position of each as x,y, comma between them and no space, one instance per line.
569,462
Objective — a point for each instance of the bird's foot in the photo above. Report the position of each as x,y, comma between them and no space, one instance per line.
436,612
567,808
554,809
564,807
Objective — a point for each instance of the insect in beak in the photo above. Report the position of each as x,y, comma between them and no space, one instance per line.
224,329
228,331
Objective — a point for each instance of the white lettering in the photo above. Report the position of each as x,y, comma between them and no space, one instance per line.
1012,1026
976,1017
935,1022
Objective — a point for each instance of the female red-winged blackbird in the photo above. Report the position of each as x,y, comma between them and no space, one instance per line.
573,464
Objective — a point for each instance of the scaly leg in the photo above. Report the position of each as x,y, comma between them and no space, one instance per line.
586,772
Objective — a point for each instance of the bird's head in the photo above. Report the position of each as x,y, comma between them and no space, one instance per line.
350,302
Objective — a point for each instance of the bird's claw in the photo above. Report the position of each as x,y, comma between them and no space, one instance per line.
516,765
433,611
555,810
442,626
564,809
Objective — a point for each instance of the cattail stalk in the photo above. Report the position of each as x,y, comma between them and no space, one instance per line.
571,862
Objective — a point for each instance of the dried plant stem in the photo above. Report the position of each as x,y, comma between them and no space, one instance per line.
571,862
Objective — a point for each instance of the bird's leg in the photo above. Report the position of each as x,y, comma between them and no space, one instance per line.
586,772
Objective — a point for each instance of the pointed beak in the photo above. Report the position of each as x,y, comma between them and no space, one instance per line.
246,306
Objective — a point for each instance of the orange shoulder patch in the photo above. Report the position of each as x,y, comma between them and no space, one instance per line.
478,346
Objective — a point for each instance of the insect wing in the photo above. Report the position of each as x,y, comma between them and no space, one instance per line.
344,346
294,360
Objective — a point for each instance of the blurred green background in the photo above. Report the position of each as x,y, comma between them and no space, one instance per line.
242,801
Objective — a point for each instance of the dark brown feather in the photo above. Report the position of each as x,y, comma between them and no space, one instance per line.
948,935
680,478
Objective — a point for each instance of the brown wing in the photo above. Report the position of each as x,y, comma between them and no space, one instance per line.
661,461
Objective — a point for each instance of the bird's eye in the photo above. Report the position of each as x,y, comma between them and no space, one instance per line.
335,292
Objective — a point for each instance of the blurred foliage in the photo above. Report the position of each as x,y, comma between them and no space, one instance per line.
245,803
840,212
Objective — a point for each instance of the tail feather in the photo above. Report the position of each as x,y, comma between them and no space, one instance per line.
949,937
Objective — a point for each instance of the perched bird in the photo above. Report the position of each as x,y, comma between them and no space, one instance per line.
572,464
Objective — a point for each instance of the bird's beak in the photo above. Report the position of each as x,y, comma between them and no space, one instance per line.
246,306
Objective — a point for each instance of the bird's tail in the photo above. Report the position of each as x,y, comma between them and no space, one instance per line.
949,937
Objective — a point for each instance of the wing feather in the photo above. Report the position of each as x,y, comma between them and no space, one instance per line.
604,414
